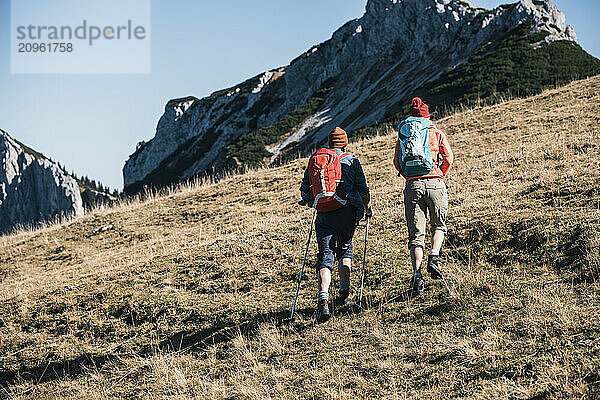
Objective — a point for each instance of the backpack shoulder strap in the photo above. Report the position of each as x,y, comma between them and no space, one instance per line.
407,121
436,131
401,124
346,157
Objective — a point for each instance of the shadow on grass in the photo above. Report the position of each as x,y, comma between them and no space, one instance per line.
402,297
194,340
442,301
53,370
222,331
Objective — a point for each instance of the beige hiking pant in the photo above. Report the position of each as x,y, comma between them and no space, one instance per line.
420,197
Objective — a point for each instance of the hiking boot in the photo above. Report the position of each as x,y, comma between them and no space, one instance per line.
323,313
418,285
433,267
347,296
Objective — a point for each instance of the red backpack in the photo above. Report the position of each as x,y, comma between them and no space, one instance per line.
325,173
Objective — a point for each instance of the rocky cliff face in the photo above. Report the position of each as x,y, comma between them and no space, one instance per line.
367,67
32,188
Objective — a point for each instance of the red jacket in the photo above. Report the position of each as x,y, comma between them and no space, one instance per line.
440,148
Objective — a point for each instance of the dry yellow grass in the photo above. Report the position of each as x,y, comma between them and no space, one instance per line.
186,295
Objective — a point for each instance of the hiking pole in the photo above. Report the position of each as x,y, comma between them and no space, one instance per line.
303,263
447,287
362,277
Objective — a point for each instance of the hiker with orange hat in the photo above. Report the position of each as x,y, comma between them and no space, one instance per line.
423,157
335,185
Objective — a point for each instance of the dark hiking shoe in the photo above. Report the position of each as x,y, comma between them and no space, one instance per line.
347,296
418,285
323,313
433,267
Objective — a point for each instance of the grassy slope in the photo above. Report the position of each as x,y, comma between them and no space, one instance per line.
186,295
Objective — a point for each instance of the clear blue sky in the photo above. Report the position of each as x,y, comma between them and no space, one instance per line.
91,123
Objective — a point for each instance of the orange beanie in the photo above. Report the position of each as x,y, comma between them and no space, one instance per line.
338,138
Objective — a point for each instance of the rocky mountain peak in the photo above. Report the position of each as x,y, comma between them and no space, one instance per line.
33,189
354,80
545,15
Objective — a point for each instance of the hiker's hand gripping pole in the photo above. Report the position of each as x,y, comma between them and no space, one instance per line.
362,277
303,263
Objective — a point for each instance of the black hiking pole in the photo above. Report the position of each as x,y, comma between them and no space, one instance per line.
303,263
362,277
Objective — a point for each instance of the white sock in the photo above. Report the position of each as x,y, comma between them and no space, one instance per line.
323,296
434,253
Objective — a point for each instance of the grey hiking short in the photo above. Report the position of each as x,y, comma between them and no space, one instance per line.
423,196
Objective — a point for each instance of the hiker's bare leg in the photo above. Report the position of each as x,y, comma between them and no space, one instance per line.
436,241
416,257
344,268
324,279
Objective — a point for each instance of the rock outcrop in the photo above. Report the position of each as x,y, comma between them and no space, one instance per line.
368,66
33,189
92,199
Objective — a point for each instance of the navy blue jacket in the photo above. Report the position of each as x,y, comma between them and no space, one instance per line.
355,183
